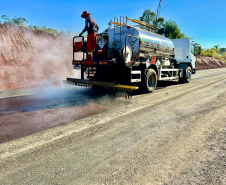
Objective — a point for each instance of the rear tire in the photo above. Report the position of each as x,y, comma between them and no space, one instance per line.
186,76
149,81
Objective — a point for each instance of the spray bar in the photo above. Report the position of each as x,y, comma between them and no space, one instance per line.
120,90
90,82
102,84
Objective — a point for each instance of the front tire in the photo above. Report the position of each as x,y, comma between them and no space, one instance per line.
149,81
186,76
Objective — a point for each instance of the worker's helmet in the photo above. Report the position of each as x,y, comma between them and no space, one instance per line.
85,14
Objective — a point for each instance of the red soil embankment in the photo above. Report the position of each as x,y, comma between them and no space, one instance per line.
205,62
32,58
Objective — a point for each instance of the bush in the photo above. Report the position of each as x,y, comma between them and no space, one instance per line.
16,21
19,21
224,56
213,53
44,28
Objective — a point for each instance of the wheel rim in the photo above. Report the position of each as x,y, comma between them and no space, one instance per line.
189,74
151,80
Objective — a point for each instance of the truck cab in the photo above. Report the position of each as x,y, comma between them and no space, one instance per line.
185,53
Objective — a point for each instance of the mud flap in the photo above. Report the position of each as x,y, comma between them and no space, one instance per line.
193,71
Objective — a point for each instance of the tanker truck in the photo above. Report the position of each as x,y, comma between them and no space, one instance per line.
130,57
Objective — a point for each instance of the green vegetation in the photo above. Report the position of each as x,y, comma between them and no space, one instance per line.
171,29
16,21
44,28
215,52
19,21
223,50
150,18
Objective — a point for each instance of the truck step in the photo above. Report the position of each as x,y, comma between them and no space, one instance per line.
169,78
135,76
135,72
169,69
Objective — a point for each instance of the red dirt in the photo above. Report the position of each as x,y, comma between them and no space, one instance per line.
205,62
32,58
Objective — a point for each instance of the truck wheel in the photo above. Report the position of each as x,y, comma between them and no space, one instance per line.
149,81
187,76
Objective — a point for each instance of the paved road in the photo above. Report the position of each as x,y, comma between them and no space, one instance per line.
175,135
25,112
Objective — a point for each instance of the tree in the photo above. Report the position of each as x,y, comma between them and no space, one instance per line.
159,22
216,47
7,19
16,21
149,17
172,31
222,50
19,21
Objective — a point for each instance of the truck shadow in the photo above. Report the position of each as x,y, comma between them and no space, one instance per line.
165,84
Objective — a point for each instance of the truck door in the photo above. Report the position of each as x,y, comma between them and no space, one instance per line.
193,56
182,50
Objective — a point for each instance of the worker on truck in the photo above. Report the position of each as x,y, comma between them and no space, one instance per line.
92,28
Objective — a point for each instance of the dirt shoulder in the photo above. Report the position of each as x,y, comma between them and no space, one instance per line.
205,62
31,58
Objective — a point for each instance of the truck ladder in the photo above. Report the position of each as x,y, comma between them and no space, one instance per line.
116,25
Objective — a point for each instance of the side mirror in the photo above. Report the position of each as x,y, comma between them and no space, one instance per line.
199,50
161,31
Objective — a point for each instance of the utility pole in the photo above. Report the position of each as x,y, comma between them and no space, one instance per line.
160,6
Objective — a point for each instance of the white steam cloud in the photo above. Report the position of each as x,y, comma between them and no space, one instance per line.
30,59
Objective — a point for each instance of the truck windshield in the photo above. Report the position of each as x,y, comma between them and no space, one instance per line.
192,49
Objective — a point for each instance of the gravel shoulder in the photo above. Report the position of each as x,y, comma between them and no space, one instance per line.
173,136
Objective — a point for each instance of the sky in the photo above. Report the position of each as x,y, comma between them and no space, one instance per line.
203,20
